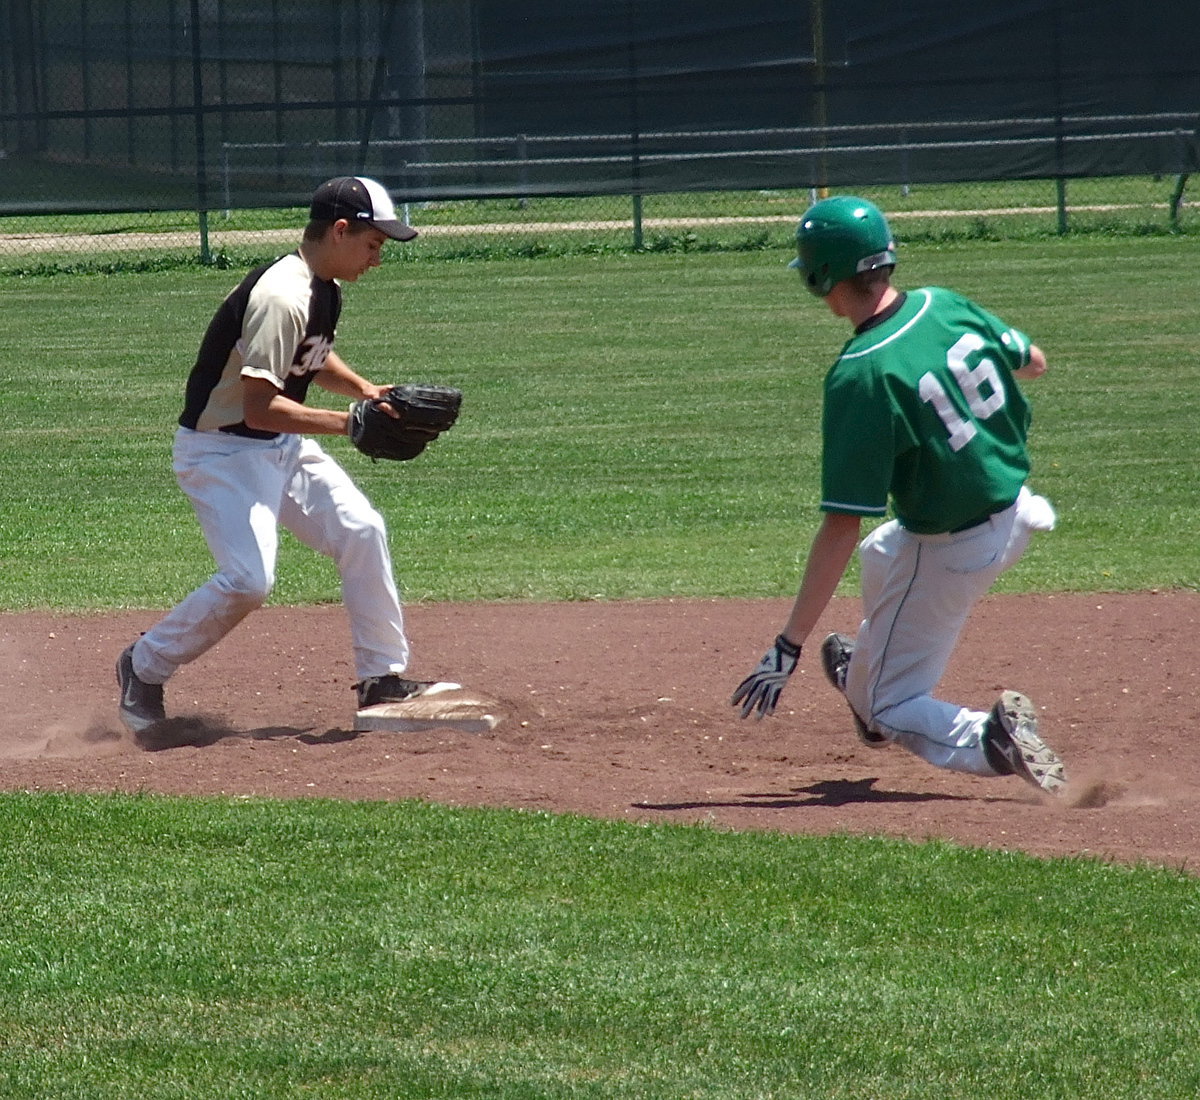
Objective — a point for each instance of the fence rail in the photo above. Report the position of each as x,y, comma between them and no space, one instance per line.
1047,131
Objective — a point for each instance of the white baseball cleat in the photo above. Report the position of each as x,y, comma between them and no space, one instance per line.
1013,747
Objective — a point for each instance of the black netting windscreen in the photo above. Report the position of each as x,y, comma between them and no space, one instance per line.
118,105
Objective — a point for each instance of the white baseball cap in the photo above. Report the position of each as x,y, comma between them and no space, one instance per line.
358,199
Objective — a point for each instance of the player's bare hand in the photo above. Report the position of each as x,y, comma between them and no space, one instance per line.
760,690
377,394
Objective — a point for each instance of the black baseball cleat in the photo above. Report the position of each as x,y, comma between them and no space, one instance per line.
1012,745
836,651
141,704
394,688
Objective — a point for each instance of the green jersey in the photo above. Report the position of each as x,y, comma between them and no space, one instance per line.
921,405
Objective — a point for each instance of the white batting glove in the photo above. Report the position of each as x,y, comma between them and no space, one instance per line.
760,690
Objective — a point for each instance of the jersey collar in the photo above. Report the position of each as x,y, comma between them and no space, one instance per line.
883,315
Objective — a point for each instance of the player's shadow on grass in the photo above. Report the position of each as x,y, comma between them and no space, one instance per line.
200,731
827,792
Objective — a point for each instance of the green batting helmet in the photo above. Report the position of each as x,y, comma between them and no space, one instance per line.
838,238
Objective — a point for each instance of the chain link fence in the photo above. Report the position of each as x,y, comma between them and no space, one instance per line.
508,227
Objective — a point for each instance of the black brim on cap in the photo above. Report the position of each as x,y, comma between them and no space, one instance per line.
398,231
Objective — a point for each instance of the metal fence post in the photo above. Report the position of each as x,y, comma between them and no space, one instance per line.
1177,199
635,127
1180,183
198,101
523,169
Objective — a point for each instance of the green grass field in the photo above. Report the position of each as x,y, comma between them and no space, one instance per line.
241,948
633,426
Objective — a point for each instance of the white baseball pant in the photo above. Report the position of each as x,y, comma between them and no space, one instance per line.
243,490
918,591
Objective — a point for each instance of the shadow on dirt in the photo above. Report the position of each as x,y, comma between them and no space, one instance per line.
201,731
830,792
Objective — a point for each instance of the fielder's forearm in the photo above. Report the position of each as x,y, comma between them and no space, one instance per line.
337,377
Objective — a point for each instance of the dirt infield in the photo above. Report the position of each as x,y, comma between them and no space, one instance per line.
620,710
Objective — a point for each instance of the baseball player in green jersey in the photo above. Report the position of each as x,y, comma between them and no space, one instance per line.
921,408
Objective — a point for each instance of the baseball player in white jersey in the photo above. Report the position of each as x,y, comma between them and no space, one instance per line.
922,407
243,456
